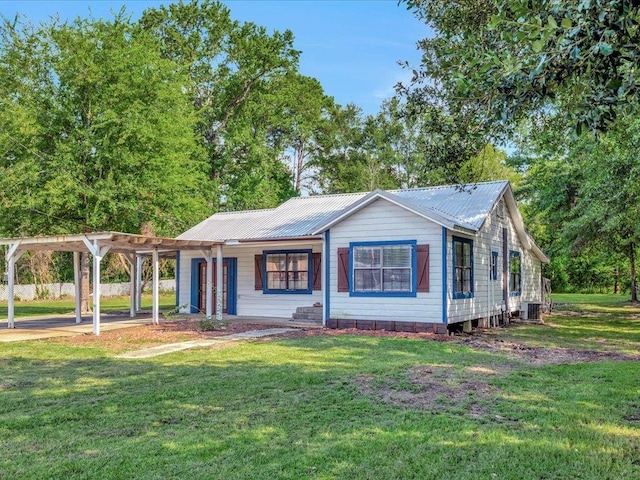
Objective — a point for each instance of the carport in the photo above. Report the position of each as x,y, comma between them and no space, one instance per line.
133,247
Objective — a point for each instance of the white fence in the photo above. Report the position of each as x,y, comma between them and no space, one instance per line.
57,290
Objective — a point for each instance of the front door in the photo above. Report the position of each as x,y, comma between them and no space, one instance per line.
228,286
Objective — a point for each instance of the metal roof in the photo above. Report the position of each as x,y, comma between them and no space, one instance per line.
465,204
452,206
297,217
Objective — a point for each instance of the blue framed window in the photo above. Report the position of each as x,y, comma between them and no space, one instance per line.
287,271
494,265
383,269
515,273
462,267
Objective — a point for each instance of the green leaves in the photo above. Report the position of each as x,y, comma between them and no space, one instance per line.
537,46
585,45
105,156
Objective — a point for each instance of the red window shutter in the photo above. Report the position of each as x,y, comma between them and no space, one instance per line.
343,269
317,271
258,272
423,268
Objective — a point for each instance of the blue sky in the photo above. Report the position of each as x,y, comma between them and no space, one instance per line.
351,46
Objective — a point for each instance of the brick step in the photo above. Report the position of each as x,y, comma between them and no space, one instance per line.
315,310
316,317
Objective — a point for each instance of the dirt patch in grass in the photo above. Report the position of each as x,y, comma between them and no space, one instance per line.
456,389
185,330
540,355
151,335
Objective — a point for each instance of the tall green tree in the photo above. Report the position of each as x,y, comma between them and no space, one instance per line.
509,60
87,143
232,67
582,204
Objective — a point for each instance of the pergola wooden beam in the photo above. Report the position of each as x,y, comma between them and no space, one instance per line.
99,244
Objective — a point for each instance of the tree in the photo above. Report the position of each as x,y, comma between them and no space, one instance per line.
582,206
86,143
232,67
300,115
509,60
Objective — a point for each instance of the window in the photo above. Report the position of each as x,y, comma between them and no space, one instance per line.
287,271
494,265
515,273
383,269
463,267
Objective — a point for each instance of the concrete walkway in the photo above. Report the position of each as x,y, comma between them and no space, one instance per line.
37,328
176,347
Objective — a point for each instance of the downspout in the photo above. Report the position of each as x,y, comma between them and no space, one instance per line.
326,271
489,286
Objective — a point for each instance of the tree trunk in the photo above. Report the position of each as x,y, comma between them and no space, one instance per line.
85,305
632,264
616,276
299,169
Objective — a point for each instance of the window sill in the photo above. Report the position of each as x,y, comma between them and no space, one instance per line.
458,296
287,292
383,294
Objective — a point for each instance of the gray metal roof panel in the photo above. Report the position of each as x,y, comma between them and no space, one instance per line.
296,217
466,206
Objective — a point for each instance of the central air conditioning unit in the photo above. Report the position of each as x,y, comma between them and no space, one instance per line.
531,311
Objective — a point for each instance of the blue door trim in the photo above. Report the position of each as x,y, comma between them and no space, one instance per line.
232,283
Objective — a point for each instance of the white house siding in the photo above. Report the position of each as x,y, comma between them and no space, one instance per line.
251,302
384,221
488,299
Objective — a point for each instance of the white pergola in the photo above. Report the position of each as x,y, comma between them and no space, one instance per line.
133,247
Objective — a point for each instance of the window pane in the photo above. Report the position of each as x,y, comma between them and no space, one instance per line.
458,253
397,256
297,262
276,280
515,263
466,280
366,257
458,285
397,279
276,262
466,247
298,281
367,280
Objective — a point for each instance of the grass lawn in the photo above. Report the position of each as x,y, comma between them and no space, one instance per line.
66,306
332,407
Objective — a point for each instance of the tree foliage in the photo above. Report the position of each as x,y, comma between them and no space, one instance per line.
583,205
233,69
86,141
503,61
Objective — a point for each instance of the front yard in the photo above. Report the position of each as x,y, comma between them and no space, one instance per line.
557,401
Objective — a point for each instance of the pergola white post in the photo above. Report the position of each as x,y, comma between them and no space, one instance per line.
98,253
155,302
13,255
138,277
219,282
77,283
208,256
131,258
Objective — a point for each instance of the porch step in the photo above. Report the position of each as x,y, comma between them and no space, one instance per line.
308,314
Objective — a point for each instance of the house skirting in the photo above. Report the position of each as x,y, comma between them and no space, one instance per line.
391,326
